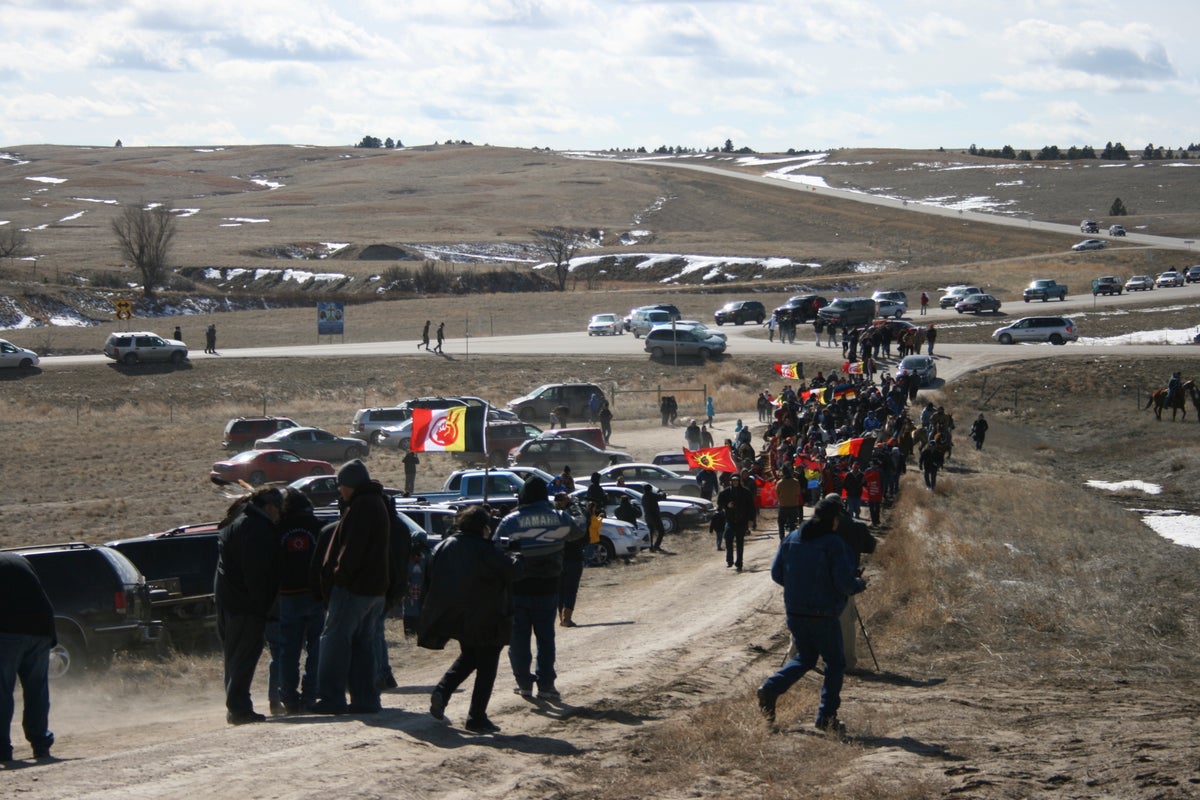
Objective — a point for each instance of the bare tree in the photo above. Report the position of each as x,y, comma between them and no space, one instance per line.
13,242
144,235
559,246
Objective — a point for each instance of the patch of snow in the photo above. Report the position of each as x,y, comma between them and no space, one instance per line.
302,276
209,149
1011,183
1102,166
1180,164
333,247
76,215
69,321
1183,529
1117,486
13,157
94,200
185,212
867,267
809,159
1162,336
806,180
250,220
43,179
268,183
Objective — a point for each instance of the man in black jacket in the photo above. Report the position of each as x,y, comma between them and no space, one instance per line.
26,636
246,585
467,598
737,504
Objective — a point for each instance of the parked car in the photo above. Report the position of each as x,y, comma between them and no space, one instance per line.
584,433
690,342
978,303
1089,244
605,325
242,432
676,514
1169,278
1055,330
1089,226
102,604
645,319
503,436
314,443
257,467
1192,274
19,357
955,293
666,480
801,308
894,296
1139,283
321,490
135,347
367,422
541,401
673,460
1116,230
924,368
552,453
739,312
1108,284
180,566
849,312
890,308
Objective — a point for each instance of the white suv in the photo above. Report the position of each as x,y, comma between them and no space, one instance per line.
134,347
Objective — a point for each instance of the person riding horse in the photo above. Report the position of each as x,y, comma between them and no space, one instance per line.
1173,386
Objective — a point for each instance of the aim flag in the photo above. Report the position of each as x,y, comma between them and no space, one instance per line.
813,394
718,459
853,367
850,447
459,429
789,371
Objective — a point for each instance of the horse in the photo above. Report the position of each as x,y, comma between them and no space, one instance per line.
1158,399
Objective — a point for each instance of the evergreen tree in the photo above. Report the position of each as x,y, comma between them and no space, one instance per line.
1117,209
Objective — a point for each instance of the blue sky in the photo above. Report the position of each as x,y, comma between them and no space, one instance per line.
600,73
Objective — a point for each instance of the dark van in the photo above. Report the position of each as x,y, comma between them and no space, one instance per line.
849,312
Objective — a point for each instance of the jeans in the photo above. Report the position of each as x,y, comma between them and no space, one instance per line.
26,658
242,637
735,537
568,584
297,633
853,505
484,661
931,478
349,655
813,637
789,519
534,615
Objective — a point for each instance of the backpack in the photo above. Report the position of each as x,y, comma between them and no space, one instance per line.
297,547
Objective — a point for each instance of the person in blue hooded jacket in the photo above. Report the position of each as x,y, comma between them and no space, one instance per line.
816,569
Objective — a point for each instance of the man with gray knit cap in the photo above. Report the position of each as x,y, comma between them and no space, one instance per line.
354,582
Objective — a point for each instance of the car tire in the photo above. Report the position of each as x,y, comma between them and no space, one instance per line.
670,523
705,354
176,358
355,451
68,658
758,321
130,359
959,310
720,322
1006,338
525,414
376,437
257,478
1056,339
657,353
25,363
598,556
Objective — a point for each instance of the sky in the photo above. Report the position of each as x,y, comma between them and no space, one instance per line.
597,74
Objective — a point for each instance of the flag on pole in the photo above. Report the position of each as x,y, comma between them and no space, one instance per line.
845,393
852,367
789,371
813,394
718,459
458,429
850,447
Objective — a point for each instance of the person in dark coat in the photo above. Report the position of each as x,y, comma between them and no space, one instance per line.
245,589
931,461
815,567
653,517
424,337
26,636
355,574
736,504
572,569
979,431
467,597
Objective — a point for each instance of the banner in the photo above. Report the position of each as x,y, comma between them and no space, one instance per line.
850,447
331,319
458,429
718,459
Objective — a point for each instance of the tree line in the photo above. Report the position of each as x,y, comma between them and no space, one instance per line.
1111,152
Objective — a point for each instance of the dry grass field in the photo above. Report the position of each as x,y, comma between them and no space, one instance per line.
1034,637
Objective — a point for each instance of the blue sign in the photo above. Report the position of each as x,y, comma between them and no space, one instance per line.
330,319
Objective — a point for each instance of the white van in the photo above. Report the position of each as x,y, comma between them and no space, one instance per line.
643,319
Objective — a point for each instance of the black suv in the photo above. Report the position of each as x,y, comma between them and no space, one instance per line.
180,566
740,312
241,433
102,604
801,308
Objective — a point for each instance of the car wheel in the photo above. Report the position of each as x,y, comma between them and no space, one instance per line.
959,310
257,478
355,451
657,353
670,523
899,314
720,322
130,359
705,354
376,437
176,358
758,321
68,658
599,555
1056,339
25,363
526,414
1005,338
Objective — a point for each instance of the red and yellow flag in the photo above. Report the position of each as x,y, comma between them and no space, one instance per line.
718,459
847,393
850,447
448,429
789,371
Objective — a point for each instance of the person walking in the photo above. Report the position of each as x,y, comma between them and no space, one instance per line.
924,303
593,408
736,504
605,416
441,337
355,575
178,334
653,517
709,409
410,462
771,323
26,636
979,431
930,337
789,493
244,590
424,337
467,598
818,328
691,435
931,461
540,532
301,614
815,567
210,339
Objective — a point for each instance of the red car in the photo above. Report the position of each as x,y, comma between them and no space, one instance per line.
257,467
